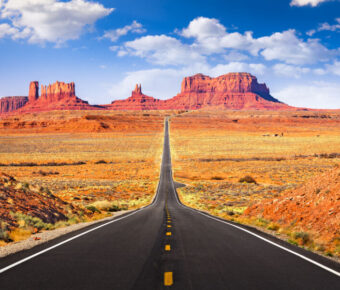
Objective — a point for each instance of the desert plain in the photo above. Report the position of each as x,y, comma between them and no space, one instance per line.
231,163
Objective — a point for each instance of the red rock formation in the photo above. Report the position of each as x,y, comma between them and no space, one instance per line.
313,207
231,91
235,91
33,93
137,102
58,96
10,104
58,91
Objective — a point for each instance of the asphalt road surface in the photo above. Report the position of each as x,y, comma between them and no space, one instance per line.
167,246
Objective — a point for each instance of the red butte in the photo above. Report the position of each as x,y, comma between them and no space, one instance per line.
9,104
137,101
236,91
233,91
57,96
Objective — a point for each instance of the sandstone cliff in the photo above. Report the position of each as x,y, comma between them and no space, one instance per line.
234,91
137,102
57,96
33,93
10,104
230,91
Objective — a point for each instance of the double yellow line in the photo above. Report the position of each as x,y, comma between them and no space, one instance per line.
168,276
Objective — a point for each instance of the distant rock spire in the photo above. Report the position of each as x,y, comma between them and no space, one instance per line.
138,89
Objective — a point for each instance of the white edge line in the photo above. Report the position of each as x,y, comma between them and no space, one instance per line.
64,242
155,199
253,234
264,239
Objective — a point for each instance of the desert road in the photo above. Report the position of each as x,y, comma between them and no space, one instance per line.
167,245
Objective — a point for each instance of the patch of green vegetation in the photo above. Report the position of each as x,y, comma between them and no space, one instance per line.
4,232
247,179
93,208
303,236
293,242
28,221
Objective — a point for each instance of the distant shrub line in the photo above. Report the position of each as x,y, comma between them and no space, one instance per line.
321,155
33,164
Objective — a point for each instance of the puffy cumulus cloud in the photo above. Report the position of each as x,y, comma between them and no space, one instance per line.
163,50
210,37
286,70
318,95
202,27
51,20
165,83
312,3
283,46
287,47
114,35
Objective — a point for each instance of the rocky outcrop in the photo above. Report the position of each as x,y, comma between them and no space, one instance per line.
58,91
230,91
313,208
137,102
233,91
57,96
33,93
10,104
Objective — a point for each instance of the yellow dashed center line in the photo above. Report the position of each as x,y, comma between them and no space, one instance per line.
169,226
168,233
168,279
167,247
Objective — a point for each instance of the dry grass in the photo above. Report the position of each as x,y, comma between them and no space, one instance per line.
212,154
114,169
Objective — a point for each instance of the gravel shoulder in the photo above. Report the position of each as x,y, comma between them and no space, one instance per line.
46,236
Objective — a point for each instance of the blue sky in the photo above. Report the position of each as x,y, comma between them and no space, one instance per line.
106,47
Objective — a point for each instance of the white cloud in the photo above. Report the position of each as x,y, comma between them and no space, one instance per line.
254,68
165,83
159,83
334,68
51,20
287,47
325,27
202,28
286,70
235,56
214,39
312,3
114,35
163,50
6,29
329,27
318,95
319,71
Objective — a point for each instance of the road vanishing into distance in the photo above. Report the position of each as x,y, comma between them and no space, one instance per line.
167,246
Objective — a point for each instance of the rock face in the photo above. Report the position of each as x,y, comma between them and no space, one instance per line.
137,102
230,91
9,104
33,93
58,96
57,92
314,208
233,91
